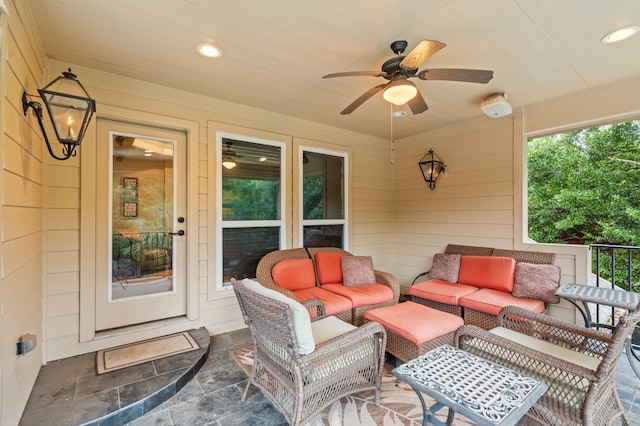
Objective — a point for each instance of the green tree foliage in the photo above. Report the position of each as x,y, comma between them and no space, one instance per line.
584,186
313,197
250,199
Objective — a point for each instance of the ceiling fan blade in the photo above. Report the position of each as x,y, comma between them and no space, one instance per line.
455,74
362,99
417,104
355,74
423,51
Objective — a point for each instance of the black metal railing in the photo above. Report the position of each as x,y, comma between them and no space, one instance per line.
139,254
615,266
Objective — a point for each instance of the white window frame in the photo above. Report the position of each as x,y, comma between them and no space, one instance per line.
345,220
222,224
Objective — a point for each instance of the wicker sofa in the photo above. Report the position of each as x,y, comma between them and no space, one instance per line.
315,273
480,281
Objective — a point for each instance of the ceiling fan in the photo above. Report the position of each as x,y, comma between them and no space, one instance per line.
398,70
228,152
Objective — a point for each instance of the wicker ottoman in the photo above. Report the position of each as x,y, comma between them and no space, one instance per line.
413,329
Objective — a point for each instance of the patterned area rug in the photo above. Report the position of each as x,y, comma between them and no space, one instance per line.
399,404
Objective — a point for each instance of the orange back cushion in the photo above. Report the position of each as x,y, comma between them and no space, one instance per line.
294,274
492,272
329,267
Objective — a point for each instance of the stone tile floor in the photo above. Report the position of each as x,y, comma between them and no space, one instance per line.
213,396
69,392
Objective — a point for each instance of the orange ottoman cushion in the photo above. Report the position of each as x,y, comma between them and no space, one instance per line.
491,301
441,291
414,322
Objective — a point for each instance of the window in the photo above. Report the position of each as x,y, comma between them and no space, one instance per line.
324,206
250,203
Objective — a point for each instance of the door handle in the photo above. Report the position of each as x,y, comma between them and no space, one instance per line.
180,233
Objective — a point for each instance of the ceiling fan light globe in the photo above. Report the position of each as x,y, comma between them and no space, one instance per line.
228,163
400,94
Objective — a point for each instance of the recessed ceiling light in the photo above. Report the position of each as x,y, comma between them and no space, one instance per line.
620,34
209,50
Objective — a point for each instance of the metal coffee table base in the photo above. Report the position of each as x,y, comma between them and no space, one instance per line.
429,416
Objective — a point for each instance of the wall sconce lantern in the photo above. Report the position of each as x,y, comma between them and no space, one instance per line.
70,109
431,166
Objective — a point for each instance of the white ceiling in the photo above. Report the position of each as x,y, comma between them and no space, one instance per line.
276,51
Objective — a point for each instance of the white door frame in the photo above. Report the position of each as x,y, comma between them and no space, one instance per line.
88,224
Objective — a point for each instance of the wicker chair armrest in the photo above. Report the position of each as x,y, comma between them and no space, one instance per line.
363,335
505,352
315,308
556,331
390,281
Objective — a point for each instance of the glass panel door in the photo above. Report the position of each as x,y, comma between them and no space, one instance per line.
141,211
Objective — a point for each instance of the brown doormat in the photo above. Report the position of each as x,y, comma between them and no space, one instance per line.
113,359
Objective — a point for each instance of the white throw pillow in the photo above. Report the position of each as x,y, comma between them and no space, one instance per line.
299,315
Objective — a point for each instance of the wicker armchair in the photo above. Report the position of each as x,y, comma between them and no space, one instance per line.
301,385
577,363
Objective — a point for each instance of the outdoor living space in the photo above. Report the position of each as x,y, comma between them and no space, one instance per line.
155,150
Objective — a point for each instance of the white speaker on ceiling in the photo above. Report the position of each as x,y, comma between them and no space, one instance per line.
496,106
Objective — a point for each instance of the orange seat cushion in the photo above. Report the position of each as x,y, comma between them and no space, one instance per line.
333,303
329,267
440,291
414,322
294,274
491,301
363,295
492,272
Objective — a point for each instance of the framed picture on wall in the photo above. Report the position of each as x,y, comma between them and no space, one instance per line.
130,197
